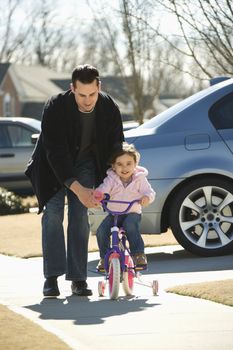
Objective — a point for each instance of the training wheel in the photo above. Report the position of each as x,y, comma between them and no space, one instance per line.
101,288
155,287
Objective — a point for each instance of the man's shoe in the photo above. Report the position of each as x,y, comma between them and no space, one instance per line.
50,289
80,288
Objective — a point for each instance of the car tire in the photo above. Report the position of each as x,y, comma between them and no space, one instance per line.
201,216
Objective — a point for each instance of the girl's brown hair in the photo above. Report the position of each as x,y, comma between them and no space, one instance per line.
126,148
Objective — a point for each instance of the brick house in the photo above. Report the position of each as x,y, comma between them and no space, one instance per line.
24,89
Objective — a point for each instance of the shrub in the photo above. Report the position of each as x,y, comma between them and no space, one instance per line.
10,203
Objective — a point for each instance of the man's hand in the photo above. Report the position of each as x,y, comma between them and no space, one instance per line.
85,195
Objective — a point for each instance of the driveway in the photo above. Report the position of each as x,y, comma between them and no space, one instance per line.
162,322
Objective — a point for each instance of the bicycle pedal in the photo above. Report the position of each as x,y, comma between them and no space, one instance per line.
141,267
100,270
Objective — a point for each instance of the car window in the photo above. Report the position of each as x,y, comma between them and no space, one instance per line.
4,138
221,113
20,136
169,113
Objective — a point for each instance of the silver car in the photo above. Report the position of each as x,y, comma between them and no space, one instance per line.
17,141
188,150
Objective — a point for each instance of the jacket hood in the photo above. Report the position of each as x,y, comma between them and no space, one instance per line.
139,171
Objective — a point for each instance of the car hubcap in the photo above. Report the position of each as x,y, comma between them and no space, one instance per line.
206,217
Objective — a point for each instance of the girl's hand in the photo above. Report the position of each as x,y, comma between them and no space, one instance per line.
98,195
145,201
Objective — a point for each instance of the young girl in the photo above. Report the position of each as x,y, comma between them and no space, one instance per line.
125,181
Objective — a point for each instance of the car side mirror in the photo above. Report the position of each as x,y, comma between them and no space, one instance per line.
34,138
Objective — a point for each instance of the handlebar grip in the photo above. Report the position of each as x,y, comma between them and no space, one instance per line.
106,196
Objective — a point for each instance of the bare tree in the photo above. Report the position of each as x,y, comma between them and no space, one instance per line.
97,51
11,36
207,30
135,45
51,42
30,32
128,46
125,42
33,33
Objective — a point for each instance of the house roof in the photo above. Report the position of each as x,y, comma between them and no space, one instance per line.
113,85
63,84
116,87
3,69
35,83
32,109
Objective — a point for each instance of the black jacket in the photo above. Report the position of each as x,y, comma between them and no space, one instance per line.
53,159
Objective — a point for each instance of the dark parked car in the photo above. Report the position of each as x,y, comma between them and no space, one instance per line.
188,150
17,141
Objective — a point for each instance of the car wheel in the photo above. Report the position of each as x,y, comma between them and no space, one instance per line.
201,216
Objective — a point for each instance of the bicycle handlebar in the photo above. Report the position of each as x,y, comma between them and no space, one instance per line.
107,200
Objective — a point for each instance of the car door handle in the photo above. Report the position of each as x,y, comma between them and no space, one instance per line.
7,155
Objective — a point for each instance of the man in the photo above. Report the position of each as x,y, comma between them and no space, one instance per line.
80,129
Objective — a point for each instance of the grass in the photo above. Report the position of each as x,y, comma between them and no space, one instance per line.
20,236
217,291
19,333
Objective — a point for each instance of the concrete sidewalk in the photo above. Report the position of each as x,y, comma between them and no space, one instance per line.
162,322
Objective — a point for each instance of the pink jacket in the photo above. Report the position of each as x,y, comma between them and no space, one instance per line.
138,188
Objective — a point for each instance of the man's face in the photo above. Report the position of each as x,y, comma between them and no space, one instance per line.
86,95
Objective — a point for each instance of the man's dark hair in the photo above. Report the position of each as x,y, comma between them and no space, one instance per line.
86,74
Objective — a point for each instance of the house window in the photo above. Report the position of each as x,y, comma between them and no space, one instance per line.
7,105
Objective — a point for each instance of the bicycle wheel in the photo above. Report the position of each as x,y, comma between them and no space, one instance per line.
155,287
114,278
101,288
128,276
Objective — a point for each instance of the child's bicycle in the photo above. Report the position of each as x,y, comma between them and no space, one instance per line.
118,262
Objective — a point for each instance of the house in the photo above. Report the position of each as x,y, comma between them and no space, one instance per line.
25,89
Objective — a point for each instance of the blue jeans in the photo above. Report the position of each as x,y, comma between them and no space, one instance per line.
130,223
56,258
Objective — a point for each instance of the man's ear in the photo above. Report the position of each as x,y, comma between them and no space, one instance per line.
99,85
72,87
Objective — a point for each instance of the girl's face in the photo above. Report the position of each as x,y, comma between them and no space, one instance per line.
124,166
